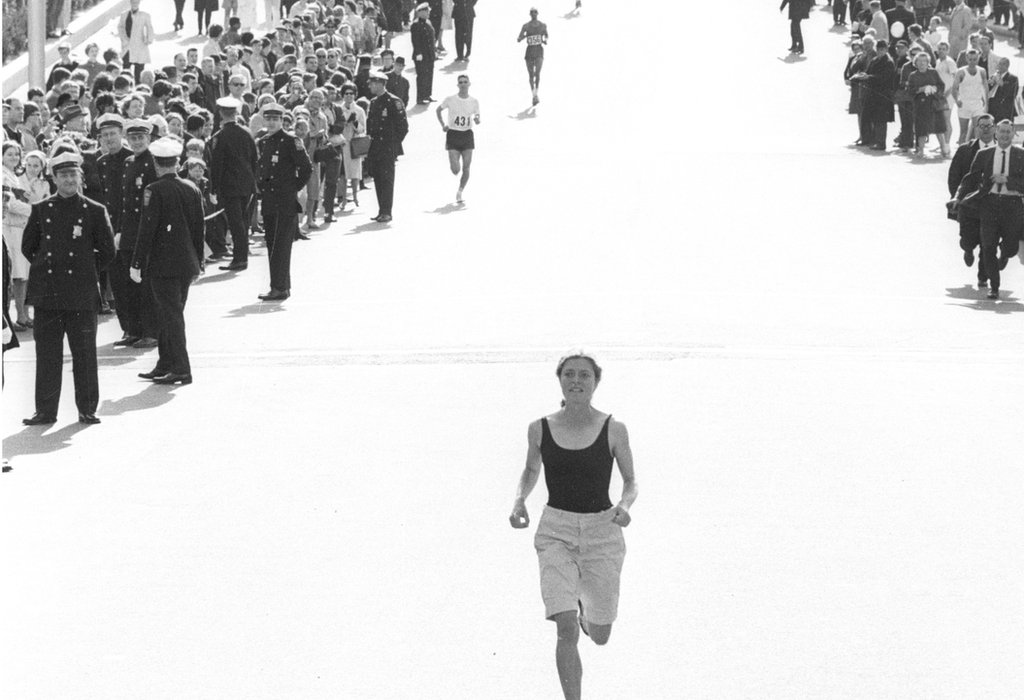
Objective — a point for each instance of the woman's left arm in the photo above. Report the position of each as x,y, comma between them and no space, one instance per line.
624,458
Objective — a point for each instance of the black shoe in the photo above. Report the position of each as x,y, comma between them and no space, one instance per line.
152,374
384,219
40,419
328,218
300,236
126,341
993,293
376,218
235,266
145,343
216,257
105,309
88,418
968,257
172,378
982,283
275,295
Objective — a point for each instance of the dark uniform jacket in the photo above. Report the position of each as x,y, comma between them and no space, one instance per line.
111,168
232,161
139,171
283,167
398,86
1001,105
170,242
463,9
386,125
961,164
92,185
423,40
798,9
66,240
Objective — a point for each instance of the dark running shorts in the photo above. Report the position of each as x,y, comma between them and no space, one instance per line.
459,140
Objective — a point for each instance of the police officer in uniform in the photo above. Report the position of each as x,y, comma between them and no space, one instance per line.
67,238
386,125
282,171
233,178
423,52
110,168
134,303
169,254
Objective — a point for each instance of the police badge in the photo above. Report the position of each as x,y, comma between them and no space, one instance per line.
76,231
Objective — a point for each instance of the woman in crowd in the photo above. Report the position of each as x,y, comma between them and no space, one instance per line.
16,208
353,117
946,68
929,103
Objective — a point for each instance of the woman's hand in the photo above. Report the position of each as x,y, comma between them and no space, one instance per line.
621,516
520,518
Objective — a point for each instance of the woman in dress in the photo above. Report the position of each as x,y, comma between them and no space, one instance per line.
16,208
353,117
929,102
579,540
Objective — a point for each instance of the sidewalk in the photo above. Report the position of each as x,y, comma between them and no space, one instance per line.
82,28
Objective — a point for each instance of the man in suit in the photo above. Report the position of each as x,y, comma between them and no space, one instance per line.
967,218
169,253
283,168
398,85
799,10
136,32
999,174
899,13
387,125
67,240
232,159
423,52
1003,91
879,84
463,14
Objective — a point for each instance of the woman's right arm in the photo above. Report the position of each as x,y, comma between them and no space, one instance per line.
520,518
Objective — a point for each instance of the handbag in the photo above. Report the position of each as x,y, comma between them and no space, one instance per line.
359,146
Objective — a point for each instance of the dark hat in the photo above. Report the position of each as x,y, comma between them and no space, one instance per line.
71,112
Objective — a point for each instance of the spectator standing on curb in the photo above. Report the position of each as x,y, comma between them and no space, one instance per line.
136,32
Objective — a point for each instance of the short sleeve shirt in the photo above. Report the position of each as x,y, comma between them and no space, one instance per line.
460,112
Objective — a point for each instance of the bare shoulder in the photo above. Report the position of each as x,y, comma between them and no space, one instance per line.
617,430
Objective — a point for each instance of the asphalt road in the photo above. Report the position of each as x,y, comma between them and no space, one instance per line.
824,414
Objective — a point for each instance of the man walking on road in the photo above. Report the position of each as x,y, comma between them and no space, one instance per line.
970,225
463,113
387,126
799,10
463,14
536,34
169,252
423,51
136,32
233,178
283,169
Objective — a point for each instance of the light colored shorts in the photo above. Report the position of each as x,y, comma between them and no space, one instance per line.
580,556
971,109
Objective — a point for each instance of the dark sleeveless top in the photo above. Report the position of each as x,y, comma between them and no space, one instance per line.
577,480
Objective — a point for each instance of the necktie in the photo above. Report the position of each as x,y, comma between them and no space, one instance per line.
128,25
1002,170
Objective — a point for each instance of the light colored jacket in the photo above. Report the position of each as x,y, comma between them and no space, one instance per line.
136,45
961,24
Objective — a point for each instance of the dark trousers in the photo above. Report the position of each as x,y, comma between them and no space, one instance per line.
179,6
53,10
133,301
51,325
236,209
215,234
286,7
203,19
867,129
879,129
1002,224
906,137
424,80
970,238
280,224
169,297
839,11
331,171
463,37
383,172
796,35
136,67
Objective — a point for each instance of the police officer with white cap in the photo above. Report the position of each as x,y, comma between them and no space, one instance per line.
169,255
424,41
67,239
283,169
387,125
134,303
233,178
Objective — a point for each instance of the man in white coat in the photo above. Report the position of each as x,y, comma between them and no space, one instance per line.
136,32
961,24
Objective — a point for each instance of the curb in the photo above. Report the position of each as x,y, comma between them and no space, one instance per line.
82,28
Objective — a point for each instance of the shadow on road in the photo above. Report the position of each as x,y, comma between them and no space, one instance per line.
455,65
166,36
793,58
528,113
219,276
260,307
1007,303
448,209
152,396
369,226
35,440
573,14
116,359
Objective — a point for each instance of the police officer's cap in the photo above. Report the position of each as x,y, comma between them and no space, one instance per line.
229,103
138,126
378,77
189,162
63,161
423,6
272,109
166,148
110,119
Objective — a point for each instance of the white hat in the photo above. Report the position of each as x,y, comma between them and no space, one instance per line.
166,148
68,159
139,126
110,119
229,103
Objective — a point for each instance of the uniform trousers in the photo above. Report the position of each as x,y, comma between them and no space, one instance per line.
51,325
839,11
424,80
237,213
463,37
133,302
1002,225
331,170
169,297
382,168
280,224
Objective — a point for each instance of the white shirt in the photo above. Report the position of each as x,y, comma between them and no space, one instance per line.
461,112
1001,168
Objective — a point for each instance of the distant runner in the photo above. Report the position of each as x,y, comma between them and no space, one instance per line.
463,112
536,35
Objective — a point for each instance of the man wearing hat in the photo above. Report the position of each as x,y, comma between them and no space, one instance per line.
386,125
283,169
398,85
233,178
168,255
67,239
134,303
423,51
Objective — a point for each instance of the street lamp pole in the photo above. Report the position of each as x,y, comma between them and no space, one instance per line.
36,43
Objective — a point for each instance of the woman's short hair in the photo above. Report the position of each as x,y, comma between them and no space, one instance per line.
579,354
